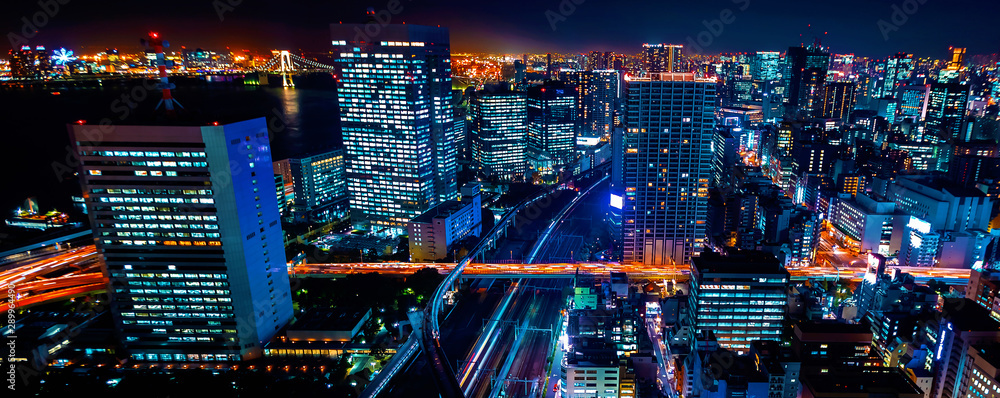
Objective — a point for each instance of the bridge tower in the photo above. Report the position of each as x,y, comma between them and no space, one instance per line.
286,67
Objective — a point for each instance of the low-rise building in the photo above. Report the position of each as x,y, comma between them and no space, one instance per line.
432,233
328,325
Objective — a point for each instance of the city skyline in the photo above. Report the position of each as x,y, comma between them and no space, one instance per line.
372,210
720,26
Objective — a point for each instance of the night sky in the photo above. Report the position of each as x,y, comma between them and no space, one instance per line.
850,26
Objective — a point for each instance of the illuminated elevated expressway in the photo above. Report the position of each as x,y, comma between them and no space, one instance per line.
75,272
62,275
635,271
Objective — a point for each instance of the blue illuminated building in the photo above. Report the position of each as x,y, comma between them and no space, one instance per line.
187,226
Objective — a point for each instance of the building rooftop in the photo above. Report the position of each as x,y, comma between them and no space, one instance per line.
965,314
738,262
592,351
945,185
859,382
833,332
989,352
328,319
442,210
673,77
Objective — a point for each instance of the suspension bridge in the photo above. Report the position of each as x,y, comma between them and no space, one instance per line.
287,64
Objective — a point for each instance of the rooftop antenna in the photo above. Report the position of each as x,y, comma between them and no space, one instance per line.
164,85
817,40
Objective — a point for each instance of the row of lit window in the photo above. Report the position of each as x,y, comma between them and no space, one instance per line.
132,191
157,307
148,154
164,235
178,284
119,199
179,299
149,217
177,315
142,208
165,243
162,226
153,163
747,332
185,357
175,275
178,291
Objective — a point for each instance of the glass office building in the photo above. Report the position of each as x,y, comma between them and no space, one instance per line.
552,120
947,106
741,298
498,127
187,228
397,120
318,184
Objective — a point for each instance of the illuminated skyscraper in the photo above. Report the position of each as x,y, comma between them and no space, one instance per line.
897,71
807,75
498,127
597,60
659,58
29,64
599,94
838,100
913,102
946,110
397,120
552,120
766,66
188,232
953,72
666,168
318,183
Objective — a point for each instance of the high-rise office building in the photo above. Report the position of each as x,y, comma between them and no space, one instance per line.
952,73
279,192
766,66
187,228
397,120
29,64
667,166
946,110
741,298
520,72
838,100
498,127
598,96
598,60
552,120
957,58
318,183
660,58
913,102
898,69
807,68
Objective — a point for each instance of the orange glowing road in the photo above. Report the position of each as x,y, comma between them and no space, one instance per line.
636,270
74,272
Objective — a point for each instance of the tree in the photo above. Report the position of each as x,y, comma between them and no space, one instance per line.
378,350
